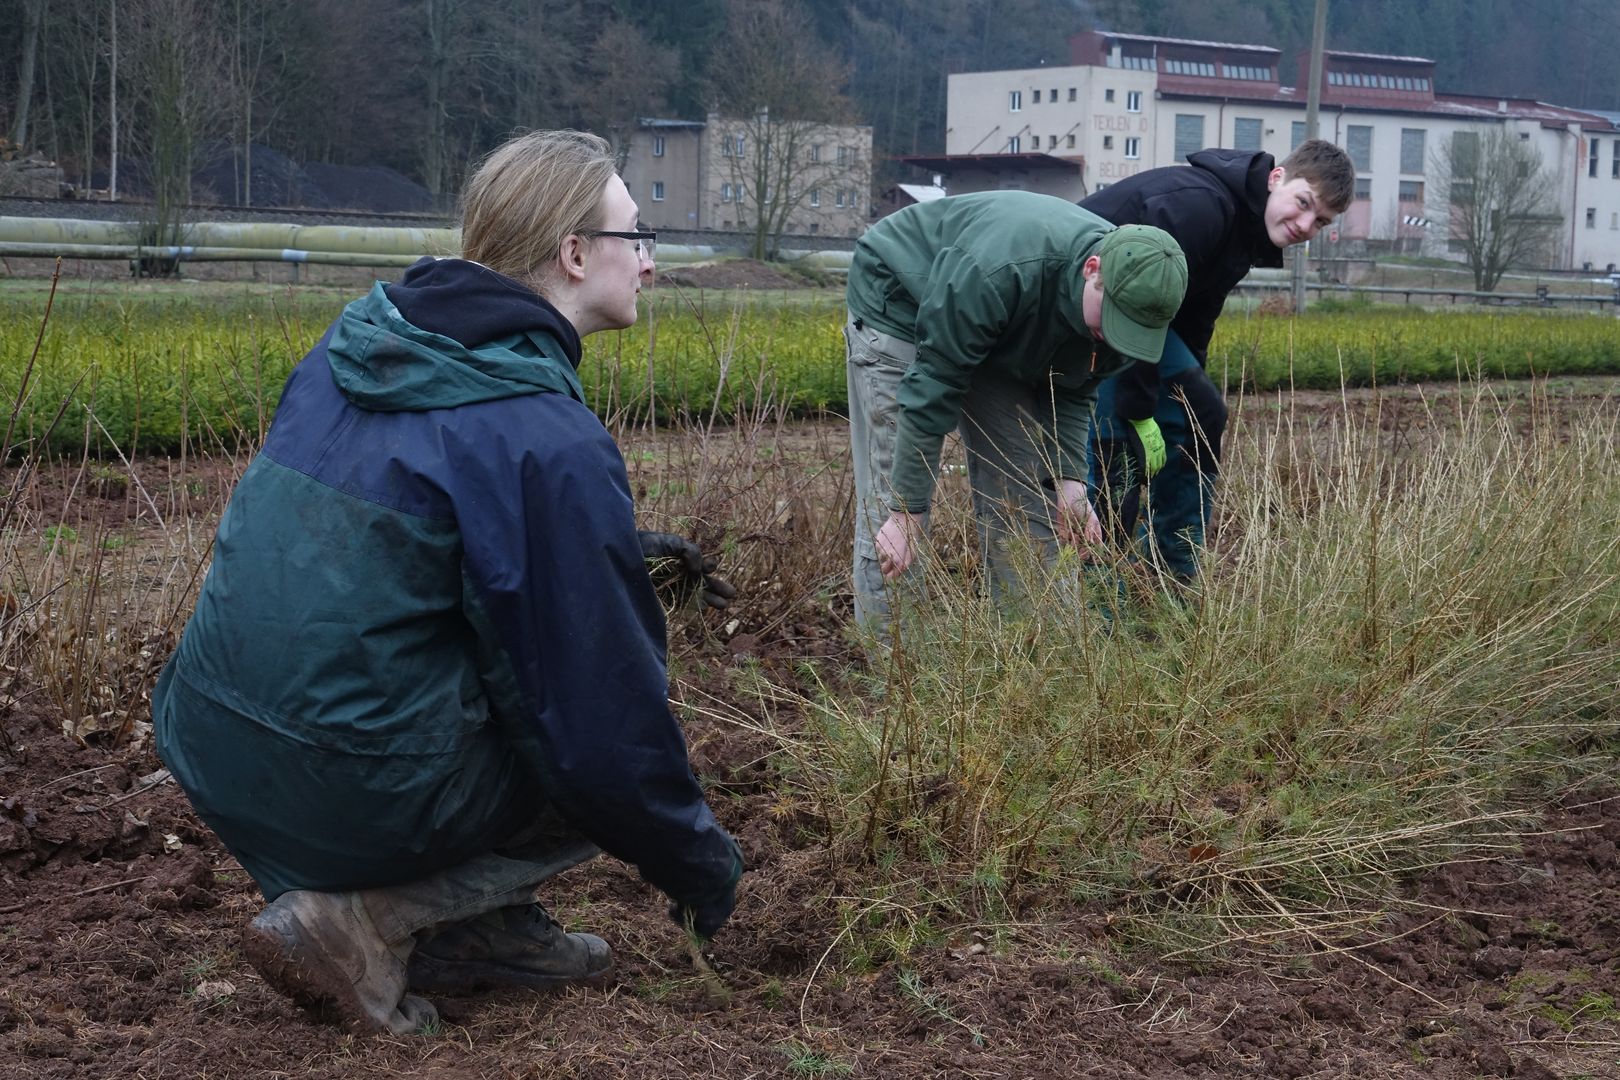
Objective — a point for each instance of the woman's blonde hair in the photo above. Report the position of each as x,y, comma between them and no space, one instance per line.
528,195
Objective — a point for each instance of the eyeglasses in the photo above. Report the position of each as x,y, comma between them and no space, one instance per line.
646,240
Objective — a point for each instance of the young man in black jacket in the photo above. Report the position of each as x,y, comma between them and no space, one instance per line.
1230,210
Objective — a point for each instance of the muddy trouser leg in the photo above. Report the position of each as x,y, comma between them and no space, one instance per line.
1007,430
876,361
1192,417
501,878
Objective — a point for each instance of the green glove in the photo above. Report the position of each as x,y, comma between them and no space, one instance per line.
1152,444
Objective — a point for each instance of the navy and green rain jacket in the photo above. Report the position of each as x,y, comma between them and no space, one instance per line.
428,614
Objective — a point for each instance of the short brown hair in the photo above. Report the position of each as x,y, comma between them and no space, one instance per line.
530,194
1327,168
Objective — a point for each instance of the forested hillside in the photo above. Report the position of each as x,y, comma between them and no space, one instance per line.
423,86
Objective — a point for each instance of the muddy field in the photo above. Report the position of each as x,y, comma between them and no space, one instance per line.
120,916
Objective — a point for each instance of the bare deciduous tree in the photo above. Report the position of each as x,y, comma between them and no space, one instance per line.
783,97
1501,201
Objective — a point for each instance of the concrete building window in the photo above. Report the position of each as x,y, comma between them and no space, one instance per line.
1412,150
1074,94
658,146
1034,97
1134,63
814,228
815,152
725,192
1051,142
1108,95
1108,142
1246,133
1189,67
1051,95
1411,191
815,197
658,191
1296,135
1015,100
1071,142
1013,145
1358,144
1591,217
1240,71
1189,135
1592,157
1614,167
1133,148
1133,101
838,198
1614,220
1363,187
843,155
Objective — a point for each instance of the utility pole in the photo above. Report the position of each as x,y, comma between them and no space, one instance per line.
1313,104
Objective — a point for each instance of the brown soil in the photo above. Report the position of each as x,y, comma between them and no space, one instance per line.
120,917
732,274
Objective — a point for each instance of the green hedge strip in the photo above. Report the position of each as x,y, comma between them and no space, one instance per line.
155,372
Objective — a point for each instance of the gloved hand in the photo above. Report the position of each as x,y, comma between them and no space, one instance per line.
705,915
681,564
1152,440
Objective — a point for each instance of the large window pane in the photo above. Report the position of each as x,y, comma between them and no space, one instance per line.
1189,135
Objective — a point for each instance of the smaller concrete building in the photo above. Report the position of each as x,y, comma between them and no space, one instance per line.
721,173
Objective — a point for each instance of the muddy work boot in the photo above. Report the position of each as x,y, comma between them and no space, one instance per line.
518,946
323,951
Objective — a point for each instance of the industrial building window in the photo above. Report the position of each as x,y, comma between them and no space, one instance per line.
1015,100
1189,67
1412,140
1034,97
1363,187
1296,135
815,196
1051,142
1073,93
725,192
1013,145
1108,95
1133,101
1411,191
838,198
1591,217
1133,148
1071,142
1108,142
1246,133
1189,135
815,152
1358,144
658,146
1592,157
1614,169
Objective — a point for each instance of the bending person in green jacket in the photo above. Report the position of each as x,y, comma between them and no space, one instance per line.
996,315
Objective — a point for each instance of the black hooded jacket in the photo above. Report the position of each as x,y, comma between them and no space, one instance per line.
1215,208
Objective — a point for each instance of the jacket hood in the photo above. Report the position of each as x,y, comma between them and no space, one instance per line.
1244,173
451,332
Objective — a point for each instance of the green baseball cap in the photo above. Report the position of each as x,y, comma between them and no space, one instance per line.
1144,278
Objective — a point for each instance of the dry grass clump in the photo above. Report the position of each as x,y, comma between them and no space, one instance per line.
1393,658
